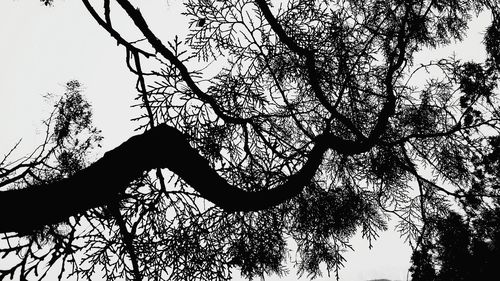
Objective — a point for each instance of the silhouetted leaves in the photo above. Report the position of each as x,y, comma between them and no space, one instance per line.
461,250
286,79
69,139
492,43
259,248
465,246
475,83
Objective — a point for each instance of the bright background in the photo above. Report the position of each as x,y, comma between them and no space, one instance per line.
42,48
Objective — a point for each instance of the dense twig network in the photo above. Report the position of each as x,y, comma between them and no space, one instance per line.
272,121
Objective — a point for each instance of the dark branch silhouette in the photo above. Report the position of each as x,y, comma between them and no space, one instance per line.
51,203
269,121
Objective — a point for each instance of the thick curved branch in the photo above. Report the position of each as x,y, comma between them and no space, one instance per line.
104,181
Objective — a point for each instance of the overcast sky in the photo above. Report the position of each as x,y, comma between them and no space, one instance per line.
43,48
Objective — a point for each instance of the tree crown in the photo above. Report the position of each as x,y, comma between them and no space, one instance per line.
299,119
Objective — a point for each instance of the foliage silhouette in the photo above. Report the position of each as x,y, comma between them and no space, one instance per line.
465,246
312,126
460,249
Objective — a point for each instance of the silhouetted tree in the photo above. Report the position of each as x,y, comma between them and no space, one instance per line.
460,249
275,121
465,246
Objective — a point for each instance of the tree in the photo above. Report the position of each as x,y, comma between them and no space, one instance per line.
460,249
312,126
465,245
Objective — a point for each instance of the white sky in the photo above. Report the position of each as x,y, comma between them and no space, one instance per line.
43,48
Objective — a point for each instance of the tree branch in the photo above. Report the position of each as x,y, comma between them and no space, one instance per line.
313,74
99,184
156,43
107,26
127,237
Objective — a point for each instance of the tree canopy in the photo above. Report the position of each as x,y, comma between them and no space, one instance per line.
270,122
458,249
